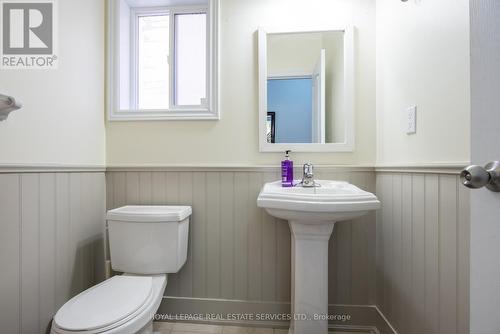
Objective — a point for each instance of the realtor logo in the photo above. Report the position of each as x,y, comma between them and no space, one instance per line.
28,34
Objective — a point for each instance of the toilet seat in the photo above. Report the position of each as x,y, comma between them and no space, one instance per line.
113,306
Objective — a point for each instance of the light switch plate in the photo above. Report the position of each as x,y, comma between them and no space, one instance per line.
411,120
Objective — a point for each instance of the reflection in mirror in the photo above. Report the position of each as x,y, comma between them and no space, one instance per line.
305,87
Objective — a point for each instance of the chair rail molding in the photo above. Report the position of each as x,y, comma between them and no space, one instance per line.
50,168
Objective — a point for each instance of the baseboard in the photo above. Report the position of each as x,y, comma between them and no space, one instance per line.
384,322
364,318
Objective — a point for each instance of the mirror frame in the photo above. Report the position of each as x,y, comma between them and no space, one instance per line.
349,98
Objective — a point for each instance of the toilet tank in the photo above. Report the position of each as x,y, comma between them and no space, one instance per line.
148,239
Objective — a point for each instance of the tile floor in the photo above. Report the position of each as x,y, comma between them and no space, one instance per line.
185,328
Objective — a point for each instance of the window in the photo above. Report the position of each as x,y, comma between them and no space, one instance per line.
152,62
190,59
163,60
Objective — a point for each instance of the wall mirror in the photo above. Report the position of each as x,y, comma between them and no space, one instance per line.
306,90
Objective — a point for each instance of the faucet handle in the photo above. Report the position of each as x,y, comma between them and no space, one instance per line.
308,169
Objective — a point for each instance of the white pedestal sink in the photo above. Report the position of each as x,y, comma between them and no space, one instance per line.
311,214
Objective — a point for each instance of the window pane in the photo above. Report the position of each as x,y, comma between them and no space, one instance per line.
191,59
153,69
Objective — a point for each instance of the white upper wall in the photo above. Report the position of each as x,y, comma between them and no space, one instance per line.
423,59
62,121
234,139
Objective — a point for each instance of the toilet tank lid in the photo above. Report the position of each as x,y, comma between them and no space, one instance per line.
149,213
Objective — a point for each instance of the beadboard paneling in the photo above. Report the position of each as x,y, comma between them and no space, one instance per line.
236,250
51,244
423,252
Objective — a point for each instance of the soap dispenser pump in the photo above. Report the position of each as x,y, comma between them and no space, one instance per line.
287,171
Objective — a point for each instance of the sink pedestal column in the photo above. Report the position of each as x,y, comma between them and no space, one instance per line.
310,277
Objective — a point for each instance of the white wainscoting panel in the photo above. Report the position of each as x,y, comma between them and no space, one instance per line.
51,244
413,262
236,250
423,252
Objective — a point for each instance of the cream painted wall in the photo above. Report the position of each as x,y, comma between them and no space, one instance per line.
62,121
234,139
423,59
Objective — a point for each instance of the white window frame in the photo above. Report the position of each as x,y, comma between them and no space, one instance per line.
209,111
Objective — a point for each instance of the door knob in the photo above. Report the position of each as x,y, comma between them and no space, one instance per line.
476,177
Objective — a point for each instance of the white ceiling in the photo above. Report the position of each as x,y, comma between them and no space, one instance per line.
154,3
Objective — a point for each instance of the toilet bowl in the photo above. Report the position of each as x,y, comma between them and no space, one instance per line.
147,242
119,305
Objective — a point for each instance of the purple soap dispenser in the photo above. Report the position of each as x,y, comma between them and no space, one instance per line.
287,171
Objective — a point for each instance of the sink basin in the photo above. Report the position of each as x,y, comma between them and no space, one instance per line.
311,214
329,201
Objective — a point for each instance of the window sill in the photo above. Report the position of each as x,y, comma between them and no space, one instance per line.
163,115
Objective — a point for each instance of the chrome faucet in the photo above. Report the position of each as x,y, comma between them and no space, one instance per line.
308,175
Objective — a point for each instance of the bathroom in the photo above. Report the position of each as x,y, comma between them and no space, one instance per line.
398,112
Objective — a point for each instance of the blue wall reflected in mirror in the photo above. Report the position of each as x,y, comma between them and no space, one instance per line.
291,101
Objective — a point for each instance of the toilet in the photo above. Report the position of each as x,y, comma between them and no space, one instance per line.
146,243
